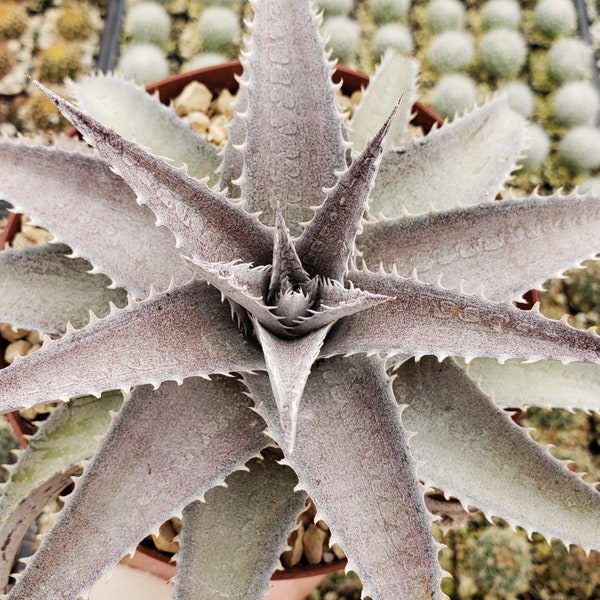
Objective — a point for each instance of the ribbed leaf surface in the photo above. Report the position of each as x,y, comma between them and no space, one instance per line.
544,383
174,443
361,475
395,79
507,247
472,450
45,467
173,335
133,113
293,140
476,153
57,289
199,218
230,545
428,319
70,193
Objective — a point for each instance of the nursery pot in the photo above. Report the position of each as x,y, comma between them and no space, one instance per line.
296,582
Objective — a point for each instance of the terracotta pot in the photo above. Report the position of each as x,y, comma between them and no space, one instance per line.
297,582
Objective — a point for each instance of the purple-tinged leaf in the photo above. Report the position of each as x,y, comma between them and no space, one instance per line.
174,443
230,545
461,163
133,113
15,526
172,335
42,288
395,79
286,264
472,450
507,247
202,220
328,239
242,284
293,143
71,193
335,302
428,319
55,453
289,363
545,383
361,475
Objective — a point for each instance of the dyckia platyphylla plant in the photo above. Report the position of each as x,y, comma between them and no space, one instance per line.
407,254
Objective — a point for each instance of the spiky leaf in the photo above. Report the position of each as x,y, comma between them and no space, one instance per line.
293,143
483,246
59,289
475,152
101,522
70,192
385,505
230,544
140,344
472,450
130,111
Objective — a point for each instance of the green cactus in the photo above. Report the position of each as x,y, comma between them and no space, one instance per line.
501,562
74,22
59,61
445,14
451,51
576,103
394,36
579,150
386,11
537,147
500,14
502,52
453,94
143,63
520,97
335,7
148,22
569,59
555,17
13,20
343,36
7,59
219,29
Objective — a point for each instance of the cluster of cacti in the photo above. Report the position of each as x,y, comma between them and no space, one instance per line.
148,26
501,562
